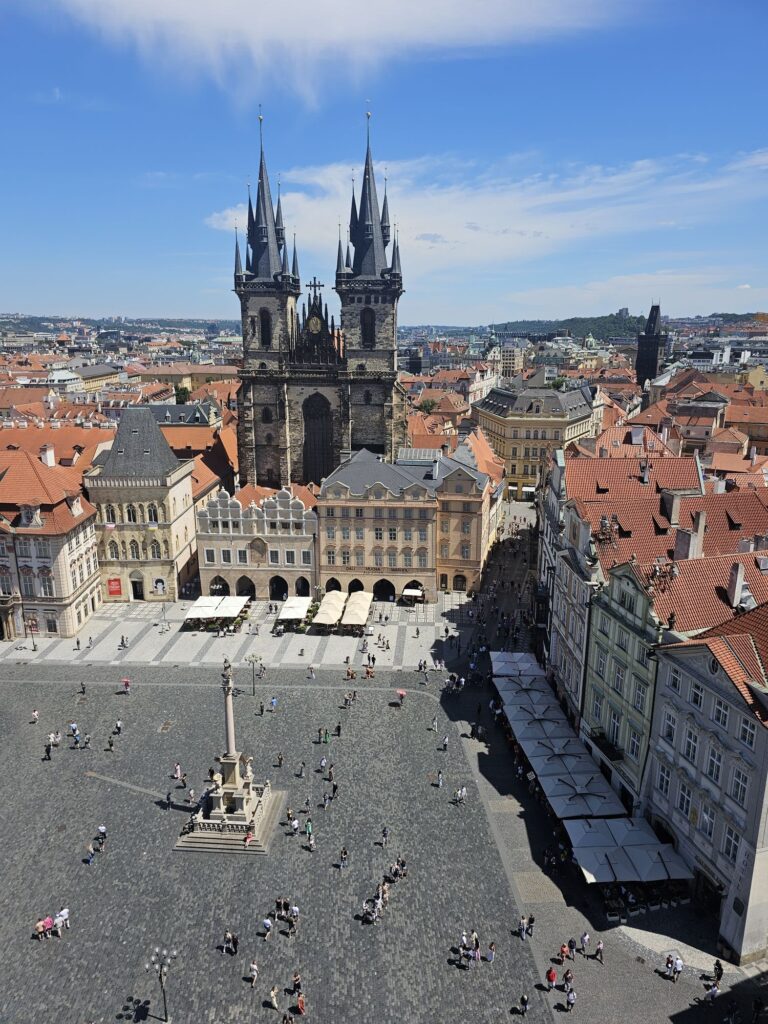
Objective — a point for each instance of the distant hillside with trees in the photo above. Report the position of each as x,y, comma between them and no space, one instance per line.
600,327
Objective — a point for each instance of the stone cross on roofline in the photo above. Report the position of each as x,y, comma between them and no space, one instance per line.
314,286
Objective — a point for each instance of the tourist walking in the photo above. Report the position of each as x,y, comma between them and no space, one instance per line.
273,997
522,927
570,1000
599,952
677,969
254,972
384,837
523,1005
551,977
584,943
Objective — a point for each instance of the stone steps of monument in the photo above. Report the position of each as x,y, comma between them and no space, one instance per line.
232,843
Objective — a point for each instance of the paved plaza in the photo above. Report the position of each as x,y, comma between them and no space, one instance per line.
471,866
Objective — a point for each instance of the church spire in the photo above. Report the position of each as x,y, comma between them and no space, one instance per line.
238,264
295,268
340,258
279,229
353,214
385,217
368,240
395,269
265,259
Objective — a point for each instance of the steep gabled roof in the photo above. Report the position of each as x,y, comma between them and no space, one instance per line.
139,448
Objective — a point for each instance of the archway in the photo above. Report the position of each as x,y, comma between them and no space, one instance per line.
245,587
332,584
318,438
278,589
354,586
137,585
414,585
383,590
460,583
302,587
218,587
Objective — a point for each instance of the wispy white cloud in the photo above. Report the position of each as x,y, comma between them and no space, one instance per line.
484,221
243,43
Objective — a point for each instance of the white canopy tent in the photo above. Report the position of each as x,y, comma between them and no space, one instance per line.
216,608
559,764
628,847
584,794
559,747
509,662
330,609
540,729
358,608
616,832
294,609
600,865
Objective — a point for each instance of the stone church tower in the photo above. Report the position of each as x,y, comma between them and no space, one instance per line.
312,392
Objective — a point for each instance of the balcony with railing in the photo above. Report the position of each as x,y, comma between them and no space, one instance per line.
605,745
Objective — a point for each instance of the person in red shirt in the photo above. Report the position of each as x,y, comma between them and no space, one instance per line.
551,977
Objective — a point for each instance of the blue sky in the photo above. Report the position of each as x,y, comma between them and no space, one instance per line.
546,159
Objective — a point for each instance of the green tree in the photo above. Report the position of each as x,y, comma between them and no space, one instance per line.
182,394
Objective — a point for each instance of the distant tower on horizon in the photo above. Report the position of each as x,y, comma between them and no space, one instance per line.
651,343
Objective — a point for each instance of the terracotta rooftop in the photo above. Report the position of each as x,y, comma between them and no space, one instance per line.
257,494
599,479
24,480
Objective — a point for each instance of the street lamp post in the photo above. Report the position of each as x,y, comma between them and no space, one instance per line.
253,660
160,961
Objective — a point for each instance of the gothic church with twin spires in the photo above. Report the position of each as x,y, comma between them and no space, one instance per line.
313,391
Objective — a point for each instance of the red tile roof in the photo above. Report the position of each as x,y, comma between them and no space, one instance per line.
24,480
599,479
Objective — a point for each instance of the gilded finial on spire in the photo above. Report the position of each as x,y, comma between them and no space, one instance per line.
261,129
368,123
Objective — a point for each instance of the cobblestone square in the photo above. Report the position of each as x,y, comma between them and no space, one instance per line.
140,892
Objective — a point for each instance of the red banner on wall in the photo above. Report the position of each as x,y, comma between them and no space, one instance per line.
114,587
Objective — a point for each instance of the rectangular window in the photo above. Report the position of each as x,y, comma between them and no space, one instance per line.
747,733
525,470
392,533
359,558
345,533
210,556
330,532
601,662
622,639
24,547
274,557
465,551
731,843
226,557
557,435
52,625
359,533
306,558
422,513
684,799
378,533
527,453
407,559
663,778
331,557
345,512
597,706
614,727
27,586
330,513
5,584
691,745
627,601
407,533
633,747
422,558
408,513
466,526
720,713
696,695
422,534
618,677
707,821
378,559
378,513
714,764
290,558
392,559
359,513
641,691
642,655
345,558
673,680
46,586
669,728
443,552
604,625
739,784
42,547
392,513
242,556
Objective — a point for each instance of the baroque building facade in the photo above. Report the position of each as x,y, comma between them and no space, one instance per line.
313,392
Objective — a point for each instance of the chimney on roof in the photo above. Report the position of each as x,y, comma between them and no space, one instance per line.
645,472
48,455
603,453
664,433
735,584
690,543
752,455
670,503
747,544
761,541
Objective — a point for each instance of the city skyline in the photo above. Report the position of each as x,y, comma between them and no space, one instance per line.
511,203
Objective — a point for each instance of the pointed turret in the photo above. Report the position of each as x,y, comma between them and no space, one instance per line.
265,261
385,217
353,221
295,267
238,264
340,260
395,269
348,261
279,229
284,267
